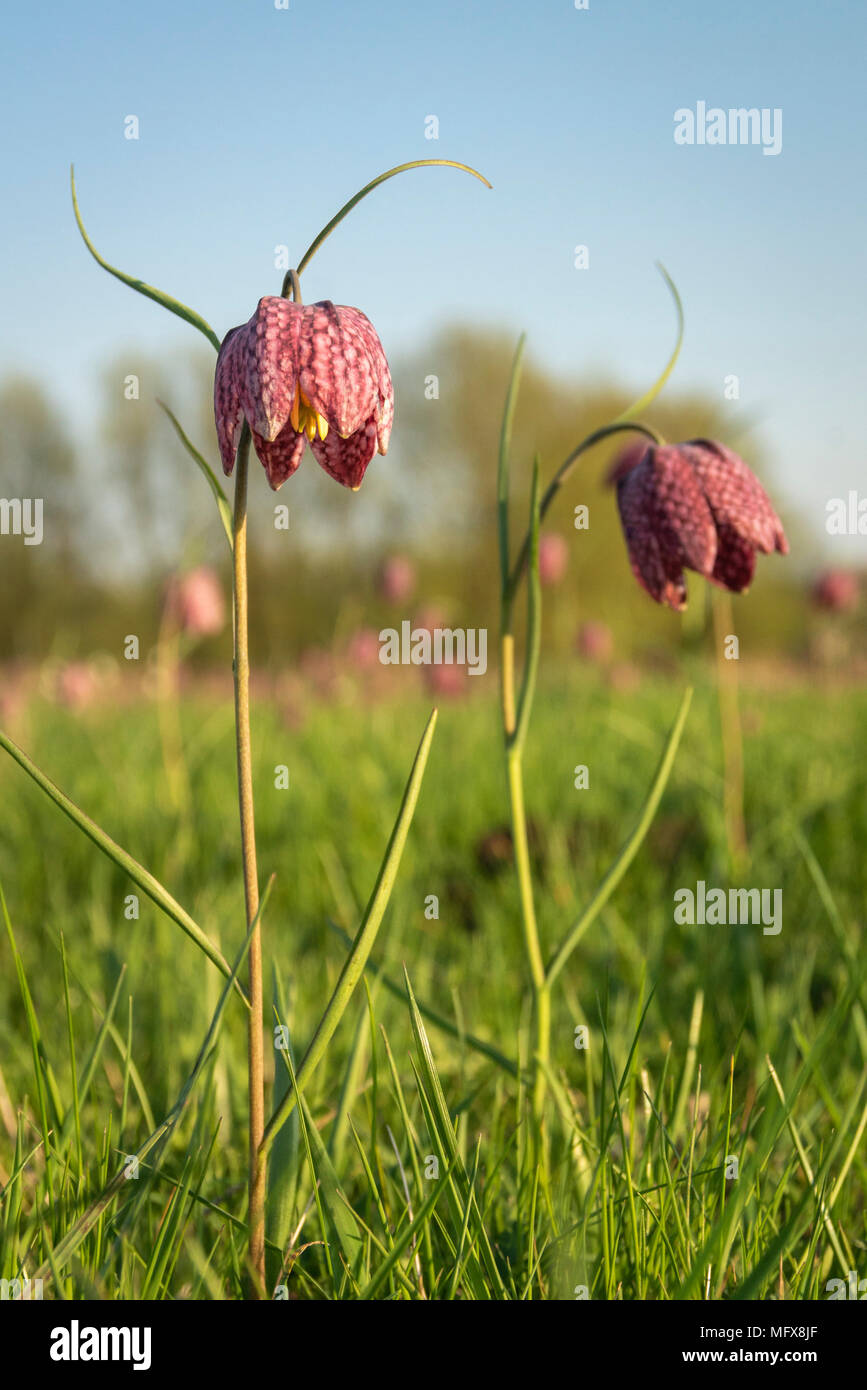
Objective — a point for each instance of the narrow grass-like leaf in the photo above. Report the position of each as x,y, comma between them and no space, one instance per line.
445,1025
444,1129
353,967
173,305
503,463
77,1233
515,743
139,875
630,848
48,1092
407,1236
283,1166
340,1223
208,474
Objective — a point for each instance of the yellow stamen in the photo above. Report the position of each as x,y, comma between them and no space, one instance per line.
305,419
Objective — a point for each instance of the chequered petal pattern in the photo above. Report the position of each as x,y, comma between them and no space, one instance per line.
228,412
694,506
346,460
736,496
281,456
331,354
735,561
657,571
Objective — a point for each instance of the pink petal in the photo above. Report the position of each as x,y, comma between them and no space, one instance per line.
335,371
735,560
657,572
269,366
281,456
382,376
681,518
346,460
735,495
228,413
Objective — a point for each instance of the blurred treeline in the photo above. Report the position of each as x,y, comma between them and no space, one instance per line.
126,508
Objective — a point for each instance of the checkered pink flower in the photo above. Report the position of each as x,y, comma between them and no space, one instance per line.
304,372
695,506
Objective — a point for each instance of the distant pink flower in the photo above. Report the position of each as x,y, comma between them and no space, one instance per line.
196,602
397,579
302,372
553,559
836,590
695,506
446,681
317,667
594,641
624,678
362,652
76,685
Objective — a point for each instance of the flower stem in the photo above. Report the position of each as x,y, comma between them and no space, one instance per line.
255,1047
368,188
532,945
560,477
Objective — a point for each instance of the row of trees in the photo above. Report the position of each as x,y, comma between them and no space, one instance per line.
123,504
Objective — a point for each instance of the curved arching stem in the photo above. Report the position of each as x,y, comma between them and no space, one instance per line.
624,421
560,478
368,188
291,285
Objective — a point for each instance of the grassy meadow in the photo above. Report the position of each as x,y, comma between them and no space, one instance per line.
410,1171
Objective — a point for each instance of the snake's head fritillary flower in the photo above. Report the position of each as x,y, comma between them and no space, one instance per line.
195,601
304,373
594,641
836,590
553,559
695,506
397,579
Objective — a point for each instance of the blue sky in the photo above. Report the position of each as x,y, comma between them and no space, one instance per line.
257,123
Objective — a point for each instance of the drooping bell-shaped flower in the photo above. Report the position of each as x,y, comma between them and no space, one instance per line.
836,590
304,373
694,506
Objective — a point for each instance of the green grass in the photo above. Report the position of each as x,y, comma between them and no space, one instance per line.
409,1170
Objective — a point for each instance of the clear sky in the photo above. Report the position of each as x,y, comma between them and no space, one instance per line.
257,123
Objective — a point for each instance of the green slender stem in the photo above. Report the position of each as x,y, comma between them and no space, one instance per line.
255,1043
732,737
515,723
291,285
562,475
368,188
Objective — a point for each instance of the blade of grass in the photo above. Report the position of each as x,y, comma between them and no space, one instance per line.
353,967
630,848
146,882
